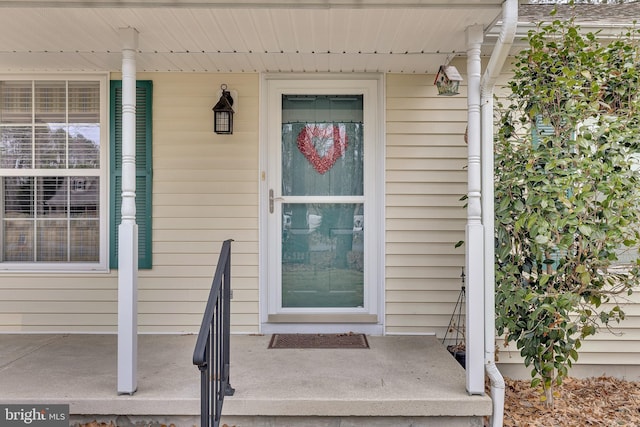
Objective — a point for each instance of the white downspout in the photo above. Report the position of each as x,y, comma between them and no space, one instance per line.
496,62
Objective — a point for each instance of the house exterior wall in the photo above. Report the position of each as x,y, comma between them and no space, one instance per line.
206,190
615,352
425,179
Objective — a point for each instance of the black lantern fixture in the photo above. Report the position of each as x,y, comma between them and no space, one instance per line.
223,113
448,80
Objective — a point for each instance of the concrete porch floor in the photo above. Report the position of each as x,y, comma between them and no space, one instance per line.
399,376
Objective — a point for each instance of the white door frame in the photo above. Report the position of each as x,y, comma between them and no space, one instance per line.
369,319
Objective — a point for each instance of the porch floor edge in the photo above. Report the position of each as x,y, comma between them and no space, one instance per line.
407,376
396,376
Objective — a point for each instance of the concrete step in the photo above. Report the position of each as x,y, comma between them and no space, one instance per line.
352,421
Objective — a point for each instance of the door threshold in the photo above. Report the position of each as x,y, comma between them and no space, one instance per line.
321,328
323,318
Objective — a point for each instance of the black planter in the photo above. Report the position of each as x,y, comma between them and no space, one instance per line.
459,355
457,328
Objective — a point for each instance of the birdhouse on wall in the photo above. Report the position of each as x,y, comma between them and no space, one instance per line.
448,80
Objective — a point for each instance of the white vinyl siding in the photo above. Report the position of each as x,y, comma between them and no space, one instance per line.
205,190
425,178
620,346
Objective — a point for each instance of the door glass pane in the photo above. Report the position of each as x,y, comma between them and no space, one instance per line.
322,255
322,243
322,146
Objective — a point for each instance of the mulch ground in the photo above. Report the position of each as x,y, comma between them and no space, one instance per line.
602,402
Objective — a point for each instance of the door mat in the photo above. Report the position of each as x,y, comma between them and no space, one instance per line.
348,340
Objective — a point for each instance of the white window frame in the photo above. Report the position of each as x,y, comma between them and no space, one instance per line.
102,265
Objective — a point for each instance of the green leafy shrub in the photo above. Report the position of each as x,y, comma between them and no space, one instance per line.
567,194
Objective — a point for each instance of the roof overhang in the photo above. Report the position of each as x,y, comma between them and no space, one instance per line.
242,36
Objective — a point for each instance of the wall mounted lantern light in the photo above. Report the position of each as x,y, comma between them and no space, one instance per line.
448,80
223,113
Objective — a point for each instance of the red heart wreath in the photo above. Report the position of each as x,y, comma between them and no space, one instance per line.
322,135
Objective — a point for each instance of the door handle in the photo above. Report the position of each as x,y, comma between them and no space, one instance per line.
272,199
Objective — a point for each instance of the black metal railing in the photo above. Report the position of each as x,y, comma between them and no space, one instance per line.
211,353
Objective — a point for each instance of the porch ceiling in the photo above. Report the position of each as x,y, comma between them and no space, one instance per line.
411,36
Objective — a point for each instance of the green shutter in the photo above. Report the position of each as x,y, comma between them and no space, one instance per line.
144,91
540,129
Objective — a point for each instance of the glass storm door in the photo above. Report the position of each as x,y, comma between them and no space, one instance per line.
322,239
318,201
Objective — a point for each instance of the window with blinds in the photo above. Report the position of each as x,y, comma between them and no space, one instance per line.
52,173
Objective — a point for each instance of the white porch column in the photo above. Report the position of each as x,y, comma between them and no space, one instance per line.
474,234
128,229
